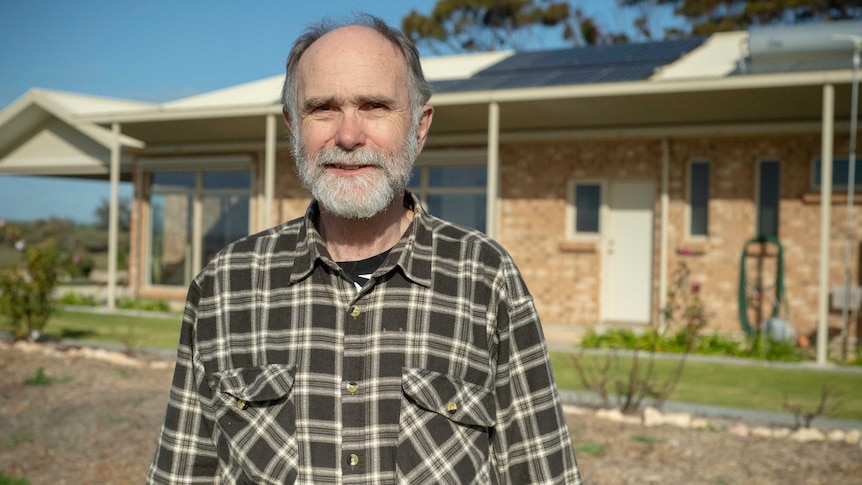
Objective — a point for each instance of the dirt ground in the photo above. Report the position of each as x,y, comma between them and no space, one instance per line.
96,422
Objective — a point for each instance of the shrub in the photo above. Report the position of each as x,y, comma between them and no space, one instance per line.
80,266
143,305
77,299
7,480
26,290
683,318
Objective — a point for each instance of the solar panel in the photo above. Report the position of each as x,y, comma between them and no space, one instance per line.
663,52
594,64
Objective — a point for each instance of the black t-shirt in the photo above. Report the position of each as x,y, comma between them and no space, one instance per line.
360,271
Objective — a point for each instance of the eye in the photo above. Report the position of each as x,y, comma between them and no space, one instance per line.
374,105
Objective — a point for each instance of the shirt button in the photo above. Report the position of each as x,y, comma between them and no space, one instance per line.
240,403
451,407
355,311
352,387
353,460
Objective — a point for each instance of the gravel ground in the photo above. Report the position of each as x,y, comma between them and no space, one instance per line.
96,422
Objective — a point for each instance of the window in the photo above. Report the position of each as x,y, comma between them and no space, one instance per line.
698,198
768,197
192,216
840,173
585,208
455,193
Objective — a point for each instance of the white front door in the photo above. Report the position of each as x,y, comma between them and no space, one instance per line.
628,252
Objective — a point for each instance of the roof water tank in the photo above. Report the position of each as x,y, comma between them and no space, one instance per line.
803,40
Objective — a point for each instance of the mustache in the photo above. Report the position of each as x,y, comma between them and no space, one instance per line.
359,157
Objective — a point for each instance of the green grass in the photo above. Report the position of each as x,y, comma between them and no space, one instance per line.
7,480
132,331
741,386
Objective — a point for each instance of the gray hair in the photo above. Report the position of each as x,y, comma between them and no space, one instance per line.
420,88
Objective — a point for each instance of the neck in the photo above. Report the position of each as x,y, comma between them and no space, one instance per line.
358,239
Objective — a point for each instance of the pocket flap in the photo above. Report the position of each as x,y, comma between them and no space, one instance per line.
460,401
255,384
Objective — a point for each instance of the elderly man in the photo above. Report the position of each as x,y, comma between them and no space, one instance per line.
367,342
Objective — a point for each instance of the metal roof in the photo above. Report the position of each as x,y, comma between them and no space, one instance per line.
583,65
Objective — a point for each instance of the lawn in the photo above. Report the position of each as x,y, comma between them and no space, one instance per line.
758,387
131,331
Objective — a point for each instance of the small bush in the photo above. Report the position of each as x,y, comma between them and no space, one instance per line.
26,291
143,305
80,266
717,344
77,299
7,480
40,379
593,449
710,344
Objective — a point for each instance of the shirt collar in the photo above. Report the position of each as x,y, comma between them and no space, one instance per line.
412,253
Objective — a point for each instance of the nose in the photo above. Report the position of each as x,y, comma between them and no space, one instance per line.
349,132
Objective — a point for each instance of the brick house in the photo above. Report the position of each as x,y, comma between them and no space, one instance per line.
599,168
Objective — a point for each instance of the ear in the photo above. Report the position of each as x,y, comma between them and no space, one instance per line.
424,125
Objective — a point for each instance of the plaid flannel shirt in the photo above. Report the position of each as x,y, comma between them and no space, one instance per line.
436,371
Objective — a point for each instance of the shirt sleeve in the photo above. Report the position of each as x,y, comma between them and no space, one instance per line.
532,443
185,453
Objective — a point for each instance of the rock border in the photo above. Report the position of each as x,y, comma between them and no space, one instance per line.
651,417
84,352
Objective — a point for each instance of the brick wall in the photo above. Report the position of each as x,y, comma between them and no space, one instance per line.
565,277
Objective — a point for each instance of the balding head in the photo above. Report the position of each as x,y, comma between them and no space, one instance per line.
419,88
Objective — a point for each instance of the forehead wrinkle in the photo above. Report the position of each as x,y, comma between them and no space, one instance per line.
354,46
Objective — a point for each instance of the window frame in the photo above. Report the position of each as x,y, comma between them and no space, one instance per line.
433,159
572,233
759,196
815,161
688,194
199,167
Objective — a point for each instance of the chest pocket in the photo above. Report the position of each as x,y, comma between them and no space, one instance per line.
446,427
256,422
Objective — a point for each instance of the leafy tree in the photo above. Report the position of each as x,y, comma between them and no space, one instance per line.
124,208
26,291
711,16
486,25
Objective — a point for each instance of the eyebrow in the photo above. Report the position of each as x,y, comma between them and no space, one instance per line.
309,104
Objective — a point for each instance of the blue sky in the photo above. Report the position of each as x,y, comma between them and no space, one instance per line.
155,51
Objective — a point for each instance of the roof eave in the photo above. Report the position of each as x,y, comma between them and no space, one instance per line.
162,114
629,88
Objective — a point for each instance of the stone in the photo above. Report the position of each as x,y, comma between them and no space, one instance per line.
631,419
761,431
610,414
805,435
853,436
836,435
781,432
739,430
567,408
652,417
680,420
700,423
161,364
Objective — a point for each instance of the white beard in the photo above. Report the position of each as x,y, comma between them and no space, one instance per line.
356,196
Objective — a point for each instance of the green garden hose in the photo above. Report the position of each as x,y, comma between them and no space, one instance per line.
779,282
